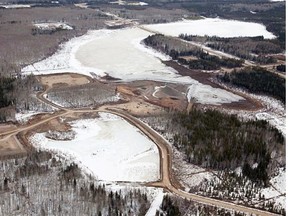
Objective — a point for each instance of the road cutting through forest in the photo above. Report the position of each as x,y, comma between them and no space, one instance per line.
166,180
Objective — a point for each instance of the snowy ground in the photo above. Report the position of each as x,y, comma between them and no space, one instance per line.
109,148
12,6
189,175
212,27
23,117
155,205
120,54
52,26
274,111
210,95
278,187
277,121
120,2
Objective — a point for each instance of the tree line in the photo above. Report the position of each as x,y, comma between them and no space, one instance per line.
175,206
220,141
15,94
257,80
41,184
6,88
271,14
250,48
179,50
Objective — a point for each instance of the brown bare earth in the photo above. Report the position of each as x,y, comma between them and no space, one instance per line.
11,146
65,79
55,125
139,108
126,90
7,127
166,95
169,103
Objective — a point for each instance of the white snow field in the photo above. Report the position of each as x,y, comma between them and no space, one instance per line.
13,6
109,148
278,189
155,205
277,121
212,27
210,95
52,26
120,2
120,54
24,117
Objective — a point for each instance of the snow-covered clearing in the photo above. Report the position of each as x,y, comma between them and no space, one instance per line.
155,205
109,148
23,117
278,122
278,187
212,27
210,95
189,175
13,6
52,26
120,54
120,2
274,111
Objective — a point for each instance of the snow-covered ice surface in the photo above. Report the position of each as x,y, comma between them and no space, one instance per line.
120,54
109,148
212,27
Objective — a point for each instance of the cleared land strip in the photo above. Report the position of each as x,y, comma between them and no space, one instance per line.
166,176
212,51
166,180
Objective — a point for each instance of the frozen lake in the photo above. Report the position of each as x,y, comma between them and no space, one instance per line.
110,148
120,54
212,27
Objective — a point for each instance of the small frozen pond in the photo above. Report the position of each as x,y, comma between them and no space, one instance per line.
110,148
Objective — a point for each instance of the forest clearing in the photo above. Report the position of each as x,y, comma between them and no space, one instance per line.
135,108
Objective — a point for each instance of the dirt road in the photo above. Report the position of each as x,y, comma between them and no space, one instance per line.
166,174
167,180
